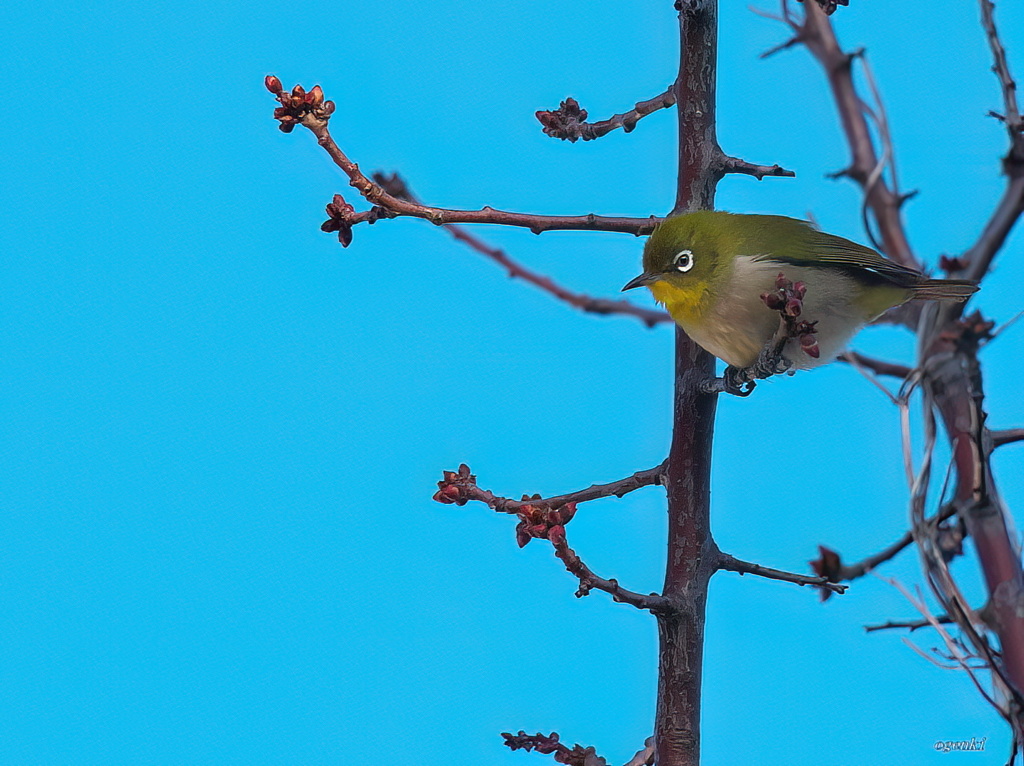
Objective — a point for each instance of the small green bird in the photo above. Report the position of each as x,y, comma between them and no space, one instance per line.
710,270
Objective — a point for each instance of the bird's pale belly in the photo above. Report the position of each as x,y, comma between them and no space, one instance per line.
738,324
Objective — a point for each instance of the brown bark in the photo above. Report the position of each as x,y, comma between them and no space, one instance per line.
692,554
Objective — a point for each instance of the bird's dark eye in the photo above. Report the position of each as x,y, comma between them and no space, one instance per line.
683,260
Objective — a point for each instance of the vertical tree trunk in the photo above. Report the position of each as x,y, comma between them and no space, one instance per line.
692,554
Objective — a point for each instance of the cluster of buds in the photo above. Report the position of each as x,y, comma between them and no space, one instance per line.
565,122
577,755
298,104
788,299
456,488
543,523
829,566
339,219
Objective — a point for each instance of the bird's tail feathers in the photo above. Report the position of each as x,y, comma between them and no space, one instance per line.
944,290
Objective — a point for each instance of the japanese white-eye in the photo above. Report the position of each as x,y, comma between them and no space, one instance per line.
710,270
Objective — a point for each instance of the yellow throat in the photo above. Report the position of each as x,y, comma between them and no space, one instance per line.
686,304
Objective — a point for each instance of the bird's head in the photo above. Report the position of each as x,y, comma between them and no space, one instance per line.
686,256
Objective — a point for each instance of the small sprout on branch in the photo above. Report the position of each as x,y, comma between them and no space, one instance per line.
829,566
341,217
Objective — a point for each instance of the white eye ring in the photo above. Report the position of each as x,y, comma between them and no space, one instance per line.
684,260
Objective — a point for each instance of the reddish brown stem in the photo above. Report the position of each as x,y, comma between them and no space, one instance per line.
568,122
819,37
729,164
692,554
1007,436
590,581
650,317
877,366
376,195
733,564
466,490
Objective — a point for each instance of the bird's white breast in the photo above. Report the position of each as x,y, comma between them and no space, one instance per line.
738,324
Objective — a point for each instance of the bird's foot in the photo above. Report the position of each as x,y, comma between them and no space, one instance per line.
740,381
736,381
771,361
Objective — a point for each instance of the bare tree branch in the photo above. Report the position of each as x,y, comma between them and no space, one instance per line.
311,111
1011,206
590,581
1007,436
877,366
733,564
729,164
830,565
568,122
545,519
817,34
397,186
910,625
459,487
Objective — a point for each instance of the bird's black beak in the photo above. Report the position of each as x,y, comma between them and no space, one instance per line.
644,279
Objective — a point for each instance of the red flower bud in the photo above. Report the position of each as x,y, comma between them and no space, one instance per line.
772,300
793,307
273,84
557,535
315,96
781,282
522,536
567,512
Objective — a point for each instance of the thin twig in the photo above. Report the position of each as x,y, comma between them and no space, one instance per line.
459,487
397,186
979,258
955,651
643,757
742,167
568,122
910,625
1007,436
877,366
817,34
590,581
733,564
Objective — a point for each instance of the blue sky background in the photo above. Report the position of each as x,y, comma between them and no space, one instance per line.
221,431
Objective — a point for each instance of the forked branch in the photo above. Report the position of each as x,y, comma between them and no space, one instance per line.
545,519
312,112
